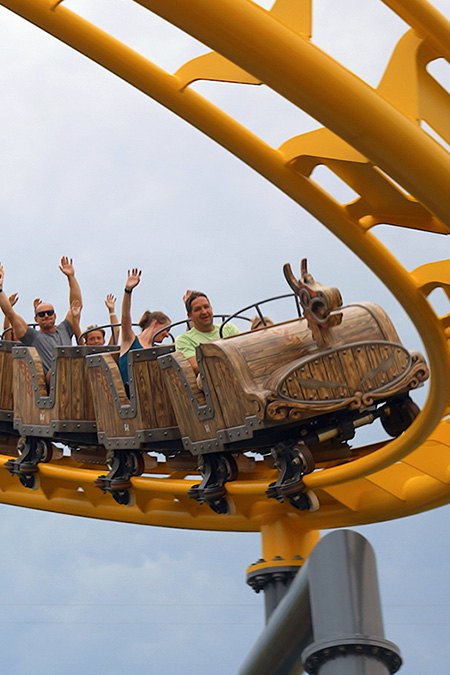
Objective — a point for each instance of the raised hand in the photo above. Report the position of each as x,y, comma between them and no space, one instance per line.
134,277
75,309
36,302
13,298
110,303
67,267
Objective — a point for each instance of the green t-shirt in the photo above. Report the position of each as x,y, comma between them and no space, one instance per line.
187,342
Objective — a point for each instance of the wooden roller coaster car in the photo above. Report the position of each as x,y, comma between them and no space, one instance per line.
6,394
294,391
8,435
64,413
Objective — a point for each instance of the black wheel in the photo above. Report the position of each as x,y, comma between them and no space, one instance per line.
230,467
45,450
224,505
21,445
304,501
138,464
306,457
121,496
397,416
28,480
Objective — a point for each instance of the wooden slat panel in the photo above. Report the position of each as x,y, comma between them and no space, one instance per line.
89,410
190,377
144,394
63,389
25,407
102,398
3,390
277,346
107,415
162,406
186,417
230,405
353,373
335,373
319,374
364,359
6,369
78,385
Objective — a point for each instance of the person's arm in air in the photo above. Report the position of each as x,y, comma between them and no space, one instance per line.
110,303
128,335
75,311
7,328
68,269
18,324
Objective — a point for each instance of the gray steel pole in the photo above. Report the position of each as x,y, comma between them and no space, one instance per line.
346,610
330,620
278,649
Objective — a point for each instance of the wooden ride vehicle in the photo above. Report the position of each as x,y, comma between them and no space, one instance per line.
64,413
293,392
134,422
8,435
6,378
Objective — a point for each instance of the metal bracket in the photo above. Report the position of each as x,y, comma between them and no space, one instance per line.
122,464
32,451
293,460
216,469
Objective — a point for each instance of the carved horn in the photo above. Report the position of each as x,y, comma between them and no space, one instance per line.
303,268
290,278
305,276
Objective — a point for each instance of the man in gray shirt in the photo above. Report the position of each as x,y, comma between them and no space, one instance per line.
49,334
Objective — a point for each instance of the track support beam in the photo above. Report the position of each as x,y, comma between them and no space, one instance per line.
330,621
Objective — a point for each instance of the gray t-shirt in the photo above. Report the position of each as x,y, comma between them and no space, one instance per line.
45,342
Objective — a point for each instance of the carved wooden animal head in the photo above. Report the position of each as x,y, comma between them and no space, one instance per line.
317,301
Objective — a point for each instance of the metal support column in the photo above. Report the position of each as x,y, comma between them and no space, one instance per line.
348,634
285,548
330,621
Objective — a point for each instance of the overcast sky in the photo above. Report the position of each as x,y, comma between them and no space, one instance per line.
93,169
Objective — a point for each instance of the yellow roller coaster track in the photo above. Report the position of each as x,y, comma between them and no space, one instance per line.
372,139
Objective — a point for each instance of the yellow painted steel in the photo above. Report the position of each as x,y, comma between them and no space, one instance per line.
372,139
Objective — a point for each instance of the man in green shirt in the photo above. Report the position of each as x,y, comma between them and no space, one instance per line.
200,314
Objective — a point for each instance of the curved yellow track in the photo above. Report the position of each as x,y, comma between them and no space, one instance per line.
373,140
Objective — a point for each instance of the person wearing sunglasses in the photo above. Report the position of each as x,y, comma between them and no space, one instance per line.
49,333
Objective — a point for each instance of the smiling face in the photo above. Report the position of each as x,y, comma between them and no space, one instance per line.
95,337
201,314
45,317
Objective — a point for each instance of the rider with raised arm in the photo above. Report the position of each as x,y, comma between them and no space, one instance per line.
50,334
201,316
150,323
96,335
7,328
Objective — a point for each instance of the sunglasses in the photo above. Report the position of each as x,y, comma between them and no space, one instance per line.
46,312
